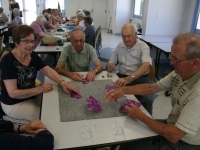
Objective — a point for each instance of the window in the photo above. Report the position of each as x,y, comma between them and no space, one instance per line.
196,19
138,9
55,4
0,3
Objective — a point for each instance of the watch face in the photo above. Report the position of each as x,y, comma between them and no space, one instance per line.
133,76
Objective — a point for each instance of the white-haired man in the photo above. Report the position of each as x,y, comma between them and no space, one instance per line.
38,27
80,23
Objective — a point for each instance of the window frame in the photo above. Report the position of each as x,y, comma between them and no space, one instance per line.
195,18
134,15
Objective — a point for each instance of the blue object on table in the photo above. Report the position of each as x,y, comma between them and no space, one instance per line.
70,27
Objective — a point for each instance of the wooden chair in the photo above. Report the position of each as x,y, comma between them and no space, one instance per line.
152,71
98,40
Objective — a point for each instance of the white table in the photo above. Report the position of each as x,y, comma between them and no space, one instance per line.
162,47
156,38
67,134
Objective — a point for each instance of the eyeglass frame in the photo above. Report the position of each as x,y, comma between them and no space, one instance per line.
27,42
177,61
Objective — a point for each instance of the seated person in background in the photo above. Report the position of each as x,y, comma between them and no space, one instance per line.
77,56
11,139
15,23
181,130
38,27
56,18
75,17
19,70
133,58
3,15
48,25
80,23
89,31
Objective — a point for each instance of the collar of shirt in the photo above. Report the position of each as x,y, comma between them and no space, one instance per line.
82,52
134,47
193,80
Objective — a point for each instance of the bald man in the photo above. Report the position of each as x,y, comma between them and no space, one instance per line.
133,58
76,58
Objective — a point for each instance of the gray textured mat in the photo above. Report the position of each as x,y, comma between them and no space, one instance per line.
72,109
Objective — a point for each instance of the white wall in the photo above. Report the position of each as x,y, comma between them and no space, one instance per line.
122,14
188,15
170,17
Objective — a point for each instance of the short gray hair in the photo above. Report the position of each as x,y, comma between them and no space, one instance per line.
16,12
81,14
191,42
41,18
75,30
131,26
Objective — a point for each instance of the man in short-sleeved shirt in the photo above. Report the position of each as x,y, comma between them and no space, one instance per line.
181,130
133,59
76,57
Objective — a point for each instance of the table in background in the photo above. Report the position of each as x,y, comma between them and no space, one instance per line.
67,134
162,47
164,41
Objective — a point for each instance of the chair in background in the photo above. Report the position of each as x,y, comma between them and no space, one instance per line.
98,40
1,44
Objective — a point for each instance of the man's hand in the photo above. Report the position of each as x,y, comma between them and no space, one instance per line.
66,87
133,112
76,76
91,75
46,87
114,94
110,67
123,81
33,127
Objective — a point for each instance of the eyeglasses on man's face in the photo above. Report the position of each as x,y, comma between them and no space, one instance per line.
28,41
176,60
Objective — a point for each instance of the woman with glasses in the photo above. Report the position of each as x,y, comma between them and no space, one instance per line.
19,71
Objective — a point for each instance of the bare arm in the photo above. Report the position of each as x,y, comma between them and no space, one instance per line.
171,133
140,89
42,33
144,68
14,92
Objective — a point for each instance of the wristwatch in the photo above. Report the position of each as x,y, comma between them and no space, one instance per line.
133,77
96,71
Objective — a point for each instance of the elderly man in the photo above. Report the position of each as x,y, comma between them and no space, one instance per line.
181,130
3,15
80,23
133,58
77,56
89,31
38,27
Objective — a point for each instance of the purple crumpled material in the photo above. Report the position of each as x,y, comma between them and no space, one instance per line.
109,87
129,102
85,81
93,104
75,95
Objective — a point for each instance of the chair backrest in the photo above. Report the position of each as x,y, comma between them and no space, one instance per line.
152,71
96,39
1,43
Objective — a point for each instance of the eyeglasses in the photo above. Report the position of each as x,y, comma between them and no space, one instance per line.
28,42
176,60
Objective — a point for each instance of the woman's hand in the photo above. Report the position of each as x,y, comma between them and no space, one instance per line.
67,87
46,87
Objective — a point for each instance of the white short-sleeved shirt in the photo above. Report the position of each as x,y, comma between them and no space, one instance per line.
185,99
82,25
130,60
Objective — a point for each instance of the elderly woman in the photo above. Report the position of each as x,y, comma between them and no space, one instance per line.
15,22
19,71
80,23
48,25
39,29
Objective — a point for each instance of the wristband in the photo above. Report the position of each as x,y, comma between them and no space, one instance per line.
60,82
19,128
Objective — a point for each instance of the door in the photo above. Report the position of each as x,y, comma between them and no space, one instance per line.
99,14
29,10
